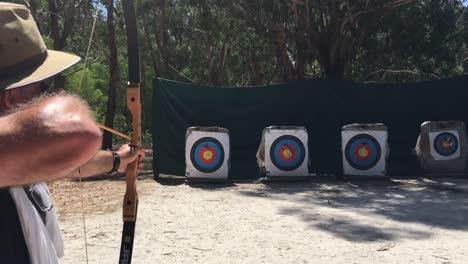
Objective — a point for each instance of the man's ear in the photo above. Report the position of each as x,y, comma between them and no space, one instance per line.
3,104
8,99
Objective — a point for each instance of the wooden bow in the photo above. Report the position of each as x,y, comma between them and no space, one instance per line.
130,203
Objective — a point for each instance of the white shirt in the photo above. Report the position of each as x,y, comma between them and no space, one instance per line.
44,241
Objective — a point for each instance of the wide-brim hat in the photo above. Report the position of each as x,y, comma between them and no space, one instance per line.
24,57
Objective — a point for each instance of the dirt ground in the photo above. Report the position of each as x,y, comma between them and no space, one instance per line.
323,220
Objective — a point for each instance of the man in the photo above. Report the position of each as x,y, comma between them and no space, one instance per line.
42,138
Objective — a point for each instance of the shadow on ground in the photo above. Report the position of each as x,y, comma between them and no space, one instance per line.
355,209
352,210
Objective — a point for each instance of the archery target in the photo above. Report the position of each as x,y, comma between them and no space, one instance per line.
286,152
363,152
207,154
444,145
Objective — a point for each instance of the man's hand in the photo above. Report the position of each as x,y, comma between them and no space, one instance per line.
128,154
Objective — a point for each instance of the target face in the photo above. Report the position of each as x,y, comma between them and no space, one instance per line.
363,152
287,153
446,144
207,154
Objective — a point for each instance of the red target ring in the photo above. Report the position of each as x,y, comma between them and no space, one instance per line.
207,154
287,153
363,152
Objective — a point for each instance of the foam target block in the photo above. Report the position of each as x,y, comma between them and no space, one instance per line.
442,147
284,152
365,149
207,153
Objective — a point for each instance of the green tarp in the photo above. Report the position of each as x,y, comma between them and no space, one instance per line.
322,106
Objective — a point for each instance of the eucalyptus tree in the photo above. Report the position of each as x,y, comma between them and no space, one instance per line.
424,40
317,37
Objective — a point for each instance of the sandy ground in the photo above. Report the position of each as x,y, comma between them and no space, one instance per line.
323,220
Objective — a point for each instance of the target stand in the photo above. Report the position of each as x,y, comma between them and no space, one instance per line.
365,149
283,153
441,147
207,154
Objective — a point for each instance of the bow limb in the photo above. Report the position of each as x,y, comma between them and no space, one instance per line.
130,204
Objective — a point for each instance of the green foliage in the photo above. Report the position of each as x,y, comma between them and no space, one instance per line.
423,40
90,84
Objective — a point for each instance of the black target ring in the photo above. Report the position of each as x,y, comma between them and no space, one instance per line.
370,145
207,144
292,144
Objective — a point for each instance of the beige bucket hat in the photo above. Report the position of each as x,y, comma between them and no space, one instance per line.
24,58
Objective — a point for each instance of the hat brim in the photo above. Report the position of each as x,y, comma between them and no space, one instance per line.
55,63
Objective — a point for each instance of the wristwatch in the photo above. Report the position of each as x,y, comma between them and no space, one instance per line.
116,165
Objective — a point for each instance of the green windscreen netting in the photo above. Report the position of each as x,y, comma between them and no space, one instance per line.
322,106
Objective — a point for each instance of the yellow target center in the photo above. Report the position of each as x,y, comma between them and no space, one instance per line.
287,153
363,152
446,144
207,155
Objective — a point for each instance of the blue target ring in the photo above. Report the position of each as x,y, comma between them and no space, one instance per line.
446,144
363,152
207,154
287,153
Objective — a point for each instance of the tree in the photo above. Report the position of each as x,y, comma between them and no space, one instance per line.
62,15
309,32
422,41
114,74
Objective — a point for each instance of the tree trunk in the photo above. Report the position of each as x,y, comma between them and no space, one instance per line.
59,38
284,62
162,39
114,75
54,24
217,61
334,70
300,41
149,43
465,34
254,69
33,8
59,80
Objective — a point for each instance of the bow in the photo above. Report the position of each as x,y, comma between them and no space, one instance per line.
130,203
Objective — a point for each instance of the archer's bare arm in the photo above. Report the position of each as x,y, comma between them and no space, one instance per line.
103,162
46,140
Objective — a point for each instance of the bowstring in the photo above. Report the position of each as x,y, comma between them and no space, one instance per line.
85,66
